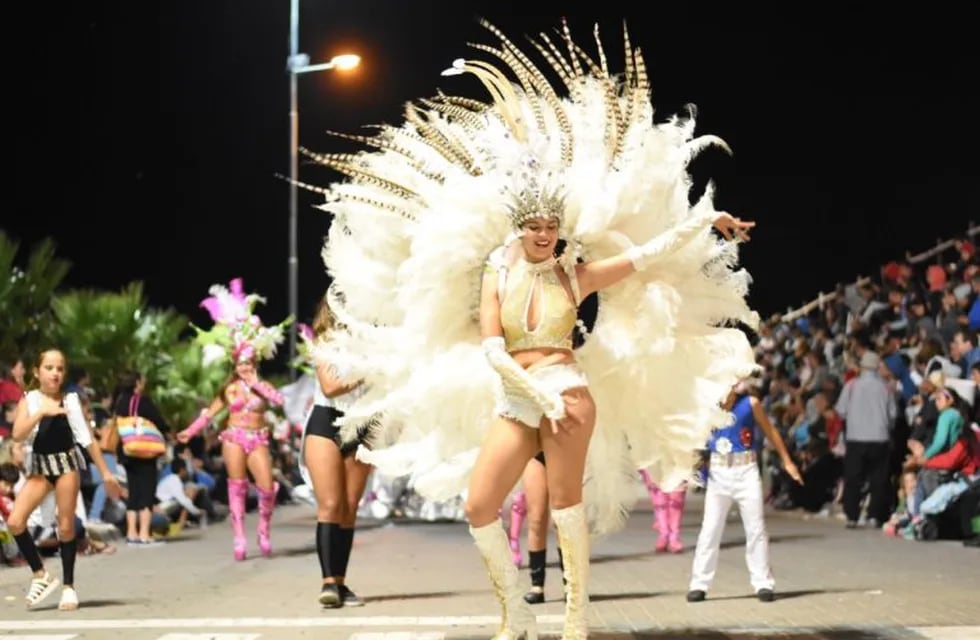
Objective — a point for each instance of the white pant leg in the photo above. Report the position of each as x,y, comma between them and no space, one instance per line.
748,495
717,502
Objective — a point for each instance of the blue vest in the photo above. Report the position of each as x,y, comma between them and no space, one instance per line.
740,433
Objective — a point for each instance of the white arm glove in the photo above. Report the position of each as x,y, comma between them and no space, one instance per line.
642,256
76,420
515,376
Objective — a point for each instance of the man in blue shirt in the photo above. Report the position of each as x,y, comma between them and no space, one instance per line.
733,476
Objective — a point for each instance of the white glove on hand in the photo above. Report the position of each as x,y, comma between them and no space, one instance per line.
642,256
513,375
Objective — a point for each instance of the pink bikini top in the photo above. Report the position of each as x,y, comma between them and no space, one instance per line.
245,406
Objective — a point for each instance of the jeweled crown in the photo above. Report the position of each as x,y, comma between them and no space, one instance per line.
529,204
534,197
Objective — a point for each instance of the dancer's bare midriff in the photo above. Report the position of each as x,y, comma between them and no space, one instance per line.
248,420
534,358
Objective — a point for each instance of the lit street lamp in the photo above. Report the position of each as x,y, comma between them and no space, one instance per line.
296,64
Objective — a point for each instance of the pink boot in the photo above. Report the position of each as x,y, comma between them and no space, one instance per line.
518,511
661,518
237,490
267,503
659,501
675,513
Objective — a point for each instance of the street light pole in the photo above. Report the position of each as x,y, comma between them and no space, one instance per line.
296,64
293,177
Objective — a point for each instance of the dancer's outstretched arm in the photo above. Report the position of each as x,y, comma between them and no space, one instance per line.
201,421
597,275
759,413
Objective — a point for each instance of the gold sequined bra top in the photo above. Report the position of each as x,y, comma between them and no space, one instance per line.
556,312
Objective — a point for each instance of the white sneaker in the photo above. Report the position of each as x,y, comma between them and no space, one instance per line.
69,599
379,510
101,530
40,589
152,542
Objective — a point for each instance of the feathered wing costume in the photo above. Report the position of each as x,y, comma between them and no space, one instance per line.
421,211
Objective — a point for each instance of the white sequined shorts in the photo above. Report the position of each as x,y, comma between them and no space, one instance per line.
554,378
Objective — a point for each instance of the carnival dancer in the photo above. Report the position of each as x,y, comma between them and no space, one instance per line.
239,338
733,476
328,464
468,378
52,425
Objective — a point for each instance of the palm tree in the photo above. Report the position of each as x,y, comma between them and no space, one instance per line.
25,296
186,385
109,333
100,331
105,333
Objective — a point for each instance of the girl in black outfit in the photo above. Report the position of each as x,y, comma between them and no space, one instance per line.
52,426
141,473
337,477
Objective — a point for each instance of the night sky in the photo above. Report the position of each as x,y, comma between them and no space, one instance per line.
854,135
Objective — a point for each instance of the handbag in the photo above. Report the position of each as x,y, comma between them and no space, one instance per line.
109,437
140,437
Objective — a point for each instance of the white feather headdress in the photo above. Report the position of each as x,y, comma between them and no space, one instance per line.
427,203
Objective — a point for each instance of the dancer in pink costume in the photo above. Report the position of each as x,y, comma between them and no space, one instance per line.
238,336
668,511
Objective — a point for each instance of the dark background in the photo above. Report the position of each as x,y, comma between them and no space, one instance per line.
156,129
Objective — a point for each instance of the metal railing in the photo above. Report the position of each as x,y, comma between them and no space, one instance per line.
823,298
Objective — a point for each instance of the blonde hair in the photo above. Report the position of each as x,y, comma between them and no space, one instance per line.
323,320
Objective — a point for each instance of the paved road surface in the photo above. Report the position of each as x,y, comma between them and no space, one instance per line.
425,581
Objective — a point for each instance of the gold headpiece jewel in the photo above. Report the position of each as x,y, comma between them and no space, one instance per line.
534,197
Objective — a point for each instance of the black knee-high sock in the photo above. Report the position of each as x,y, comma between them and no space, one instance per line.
326,544
345,541
536,564
29,550
68,549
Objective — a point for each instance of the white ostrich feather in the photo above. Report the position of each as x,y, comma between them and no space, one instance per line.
421,211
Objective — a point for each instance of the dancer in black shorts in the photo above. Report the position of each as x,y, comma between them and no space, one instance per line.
337,477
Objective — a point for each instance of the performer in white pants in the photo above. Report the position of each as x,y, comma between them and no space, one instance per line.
733,475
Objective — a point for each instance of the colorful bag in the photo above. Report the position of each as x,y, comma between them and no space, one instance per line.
140,437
